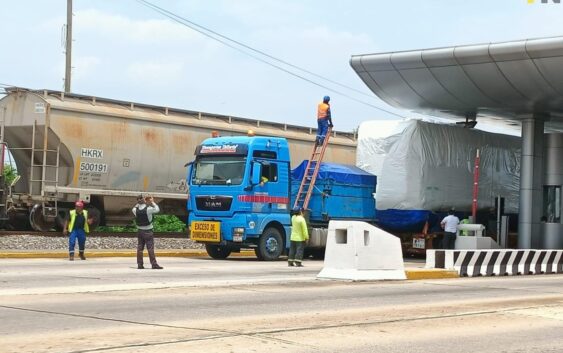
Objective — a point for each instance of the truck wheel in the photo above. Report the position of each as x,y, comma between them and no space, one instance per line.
270,245
218,252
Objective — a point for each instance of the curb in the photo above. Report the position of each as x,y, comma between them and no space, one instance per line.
113,253
423,273
412,273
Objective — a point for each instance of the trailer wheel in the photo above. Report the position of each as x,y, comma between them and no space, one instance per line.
218,252
270,245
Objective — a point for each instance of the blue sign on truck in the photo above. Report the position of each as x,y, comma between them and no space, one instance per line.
242,189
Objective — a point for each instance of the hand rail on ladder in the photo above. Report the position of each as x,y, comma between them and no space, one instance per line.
311,171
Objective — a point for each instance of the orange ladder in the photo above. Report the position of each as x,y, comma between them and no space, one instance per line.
311,172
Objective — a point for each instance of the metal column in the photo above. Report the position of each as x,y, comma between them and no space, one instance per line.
531,175
552,228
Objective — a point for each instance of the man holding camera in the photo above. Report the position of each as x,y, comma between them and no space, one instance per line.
144,211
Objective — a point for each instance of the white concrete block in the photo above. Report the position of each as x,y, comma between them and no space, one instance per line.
359,251
470,242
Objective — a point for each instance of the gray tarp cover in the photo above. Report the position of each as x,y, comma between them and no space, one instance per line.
427,166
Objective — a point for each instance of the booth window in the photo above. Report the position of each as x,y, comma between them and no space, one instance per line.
552,203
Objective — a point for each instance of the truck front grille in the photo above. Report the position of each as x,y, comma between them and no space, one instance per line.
213,203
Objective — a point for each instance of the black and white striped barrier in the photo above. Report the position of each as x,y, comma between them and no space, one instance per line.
473,263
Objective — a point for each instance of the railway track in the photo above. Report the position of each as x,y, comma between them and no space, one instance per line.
171,235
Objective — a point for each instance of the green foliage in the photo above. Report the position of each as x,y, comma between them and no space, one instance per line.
117,229
168,223
10,173
161,223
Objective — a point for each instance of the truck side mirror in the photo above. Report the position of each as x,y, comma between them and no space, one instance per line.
256,173
189,165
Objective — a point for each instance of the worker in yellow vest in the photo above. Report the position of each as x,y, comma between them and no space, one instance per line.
77,224
464,232
324,120
299,238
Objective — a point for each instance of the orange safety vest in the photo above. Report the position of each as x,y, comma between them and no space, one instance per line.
322,110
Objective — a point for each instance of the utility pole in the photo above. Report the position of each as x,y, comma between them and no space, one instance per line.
68,67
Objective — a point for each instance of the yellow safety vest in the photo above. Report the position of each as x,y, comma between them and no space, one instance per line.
299,231
73,218
464,221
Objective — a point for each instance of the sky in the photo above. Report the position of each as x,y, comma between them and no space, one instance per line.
124,50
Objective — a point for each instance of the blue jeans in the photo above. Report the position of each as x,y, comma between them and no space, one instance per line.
322,130
81,235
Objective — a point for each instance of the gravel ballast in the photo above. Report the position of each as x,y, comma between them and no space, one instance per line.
32,242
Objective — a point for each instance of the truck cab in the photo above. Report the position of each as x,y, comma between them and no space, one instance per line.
240,195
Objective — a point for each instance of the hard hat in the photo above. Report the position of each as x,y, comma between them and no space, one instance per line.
79,204
326,99
250,133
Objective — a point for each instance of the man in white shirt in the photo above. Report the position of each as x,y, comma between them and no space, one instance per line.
449,224
144,211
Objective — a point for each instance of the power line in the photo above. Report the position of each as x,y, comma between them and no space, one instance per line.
206,32
254,49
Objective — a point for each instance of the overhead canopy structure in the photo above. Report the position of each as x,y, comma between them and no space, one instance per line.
517,83
506,80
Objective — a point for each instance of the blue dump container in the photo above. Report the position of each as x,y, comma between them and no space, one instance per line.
341,191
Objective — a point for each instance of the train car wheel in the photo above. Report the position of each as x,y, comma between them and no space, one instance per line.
95,214
39,222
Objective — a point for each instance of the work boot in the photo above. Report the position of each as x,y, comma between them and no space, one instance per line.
82,257
157,267
71,257
140,267
290,263
298,264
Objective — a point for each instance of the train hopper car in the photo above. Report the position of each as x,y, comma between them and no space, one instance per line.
68,147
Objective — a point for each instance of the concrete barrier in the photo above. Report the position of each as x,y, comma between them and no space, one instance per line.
359,251
472,263
466,242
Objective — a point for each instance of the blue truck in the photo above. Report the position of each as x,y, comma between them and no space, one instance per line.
242,189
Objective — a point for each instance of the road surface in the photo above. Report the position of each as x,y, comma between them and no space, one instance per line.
241,305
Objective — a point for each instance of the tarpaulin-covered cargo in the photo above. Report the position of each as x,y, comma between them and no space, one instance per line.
424,166
341,192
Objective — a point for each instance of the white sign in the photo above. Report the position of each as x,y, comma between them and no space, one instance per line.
93,167
92,153
219,149
39,108
418,243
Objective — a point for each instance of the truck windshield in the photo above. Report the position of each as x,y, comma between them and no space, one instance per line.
219,170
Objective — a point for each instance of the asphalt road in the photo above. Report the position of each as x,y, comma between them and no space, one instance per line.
241,305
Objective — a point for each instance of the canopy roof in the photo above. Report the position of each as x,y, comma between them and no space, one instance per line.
508,80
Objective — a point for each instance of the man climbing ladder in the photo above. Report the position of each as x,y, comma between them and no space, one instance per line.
324,120
314,163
